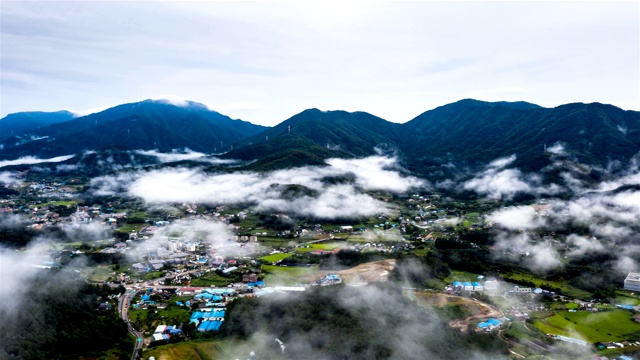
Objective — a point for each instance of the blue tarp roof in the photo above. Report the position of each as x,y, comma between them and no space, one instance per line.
466,283
476,284
457,283
490,322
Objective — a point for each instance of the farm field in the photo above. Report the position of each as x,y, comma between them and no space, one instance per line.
612,325
187,351
286,275
275,257
461,276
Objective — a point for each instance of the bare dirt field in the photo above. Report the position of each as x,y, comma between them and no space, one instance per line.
480,309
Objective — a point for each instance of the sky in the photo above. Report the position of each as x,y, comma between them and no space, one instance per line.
267,61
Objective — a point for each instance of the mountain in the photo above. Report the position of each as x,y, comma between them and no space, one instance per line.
149,124
314,135
19,123
467,133
476,132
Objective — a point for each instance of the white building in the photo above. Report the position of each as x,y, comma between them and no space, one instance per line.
632,282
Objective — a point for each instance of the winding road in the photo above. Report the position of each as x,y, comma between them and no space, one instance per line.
123,306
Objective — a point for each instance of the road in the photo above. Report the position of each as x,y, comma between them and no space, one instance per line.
123,306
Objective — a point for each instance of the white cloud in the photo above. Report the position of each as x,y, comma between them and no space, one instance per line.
499,185
322,199
538,255
502,162
516,218
357,58
582,245
28,160
7,178
185,155
557,149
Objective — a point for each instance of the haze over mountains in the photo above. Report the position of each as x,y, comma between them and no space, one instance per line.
468,132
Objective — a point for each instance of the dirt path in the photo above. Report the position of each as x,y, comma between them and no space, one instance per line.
376,271
488,311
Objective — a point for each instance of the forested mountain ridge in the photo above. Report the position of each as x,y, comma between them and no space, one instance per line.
148,124
467,132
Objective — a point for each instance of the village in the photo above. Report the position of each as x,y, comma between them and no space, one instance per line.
179,283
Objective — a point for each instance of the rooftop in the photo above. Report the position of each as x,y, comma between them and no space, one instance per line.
633,277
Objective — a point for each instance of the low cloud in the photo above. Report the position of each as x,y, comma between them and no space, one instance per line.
557,149
28,160
184,155
516,218
219,238
7,178
582,245
538,255
276,191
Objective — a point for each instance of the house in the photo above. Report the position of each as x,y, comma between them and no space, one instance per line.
477,286
457,285
188,291
139,267
156,264
467,286
519,289
632,282
249,278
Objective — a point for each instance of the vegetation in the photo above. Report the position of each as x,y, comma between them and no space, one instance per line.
60,320
614,325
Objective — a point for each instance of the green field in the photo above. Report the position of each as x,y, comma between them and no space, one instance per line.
566,288
286,275
612,325
275,257
624,297
100,274
208,350
461,276
186,351
211,278
319,246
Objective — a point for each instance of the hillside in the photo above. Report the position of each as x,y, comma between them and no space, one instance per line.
465,133
314,135
144,125
19,123
473,132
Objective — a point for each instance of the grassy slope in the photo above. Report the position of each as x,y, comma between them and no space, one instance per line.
604,326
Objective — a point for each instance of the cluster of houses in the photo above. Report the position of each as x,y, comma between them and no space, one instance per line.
164,332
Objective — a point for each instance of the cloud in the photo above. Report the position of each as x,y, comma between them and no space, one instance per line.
17,268
185,155
557,149
7,178
497,185
581,245
87,232
516,218
28,160
219,238
377,173
502,162
538,255
271,191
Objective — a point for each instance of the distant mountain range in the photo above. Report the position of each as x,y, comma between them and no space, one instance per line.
145,125
467,132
